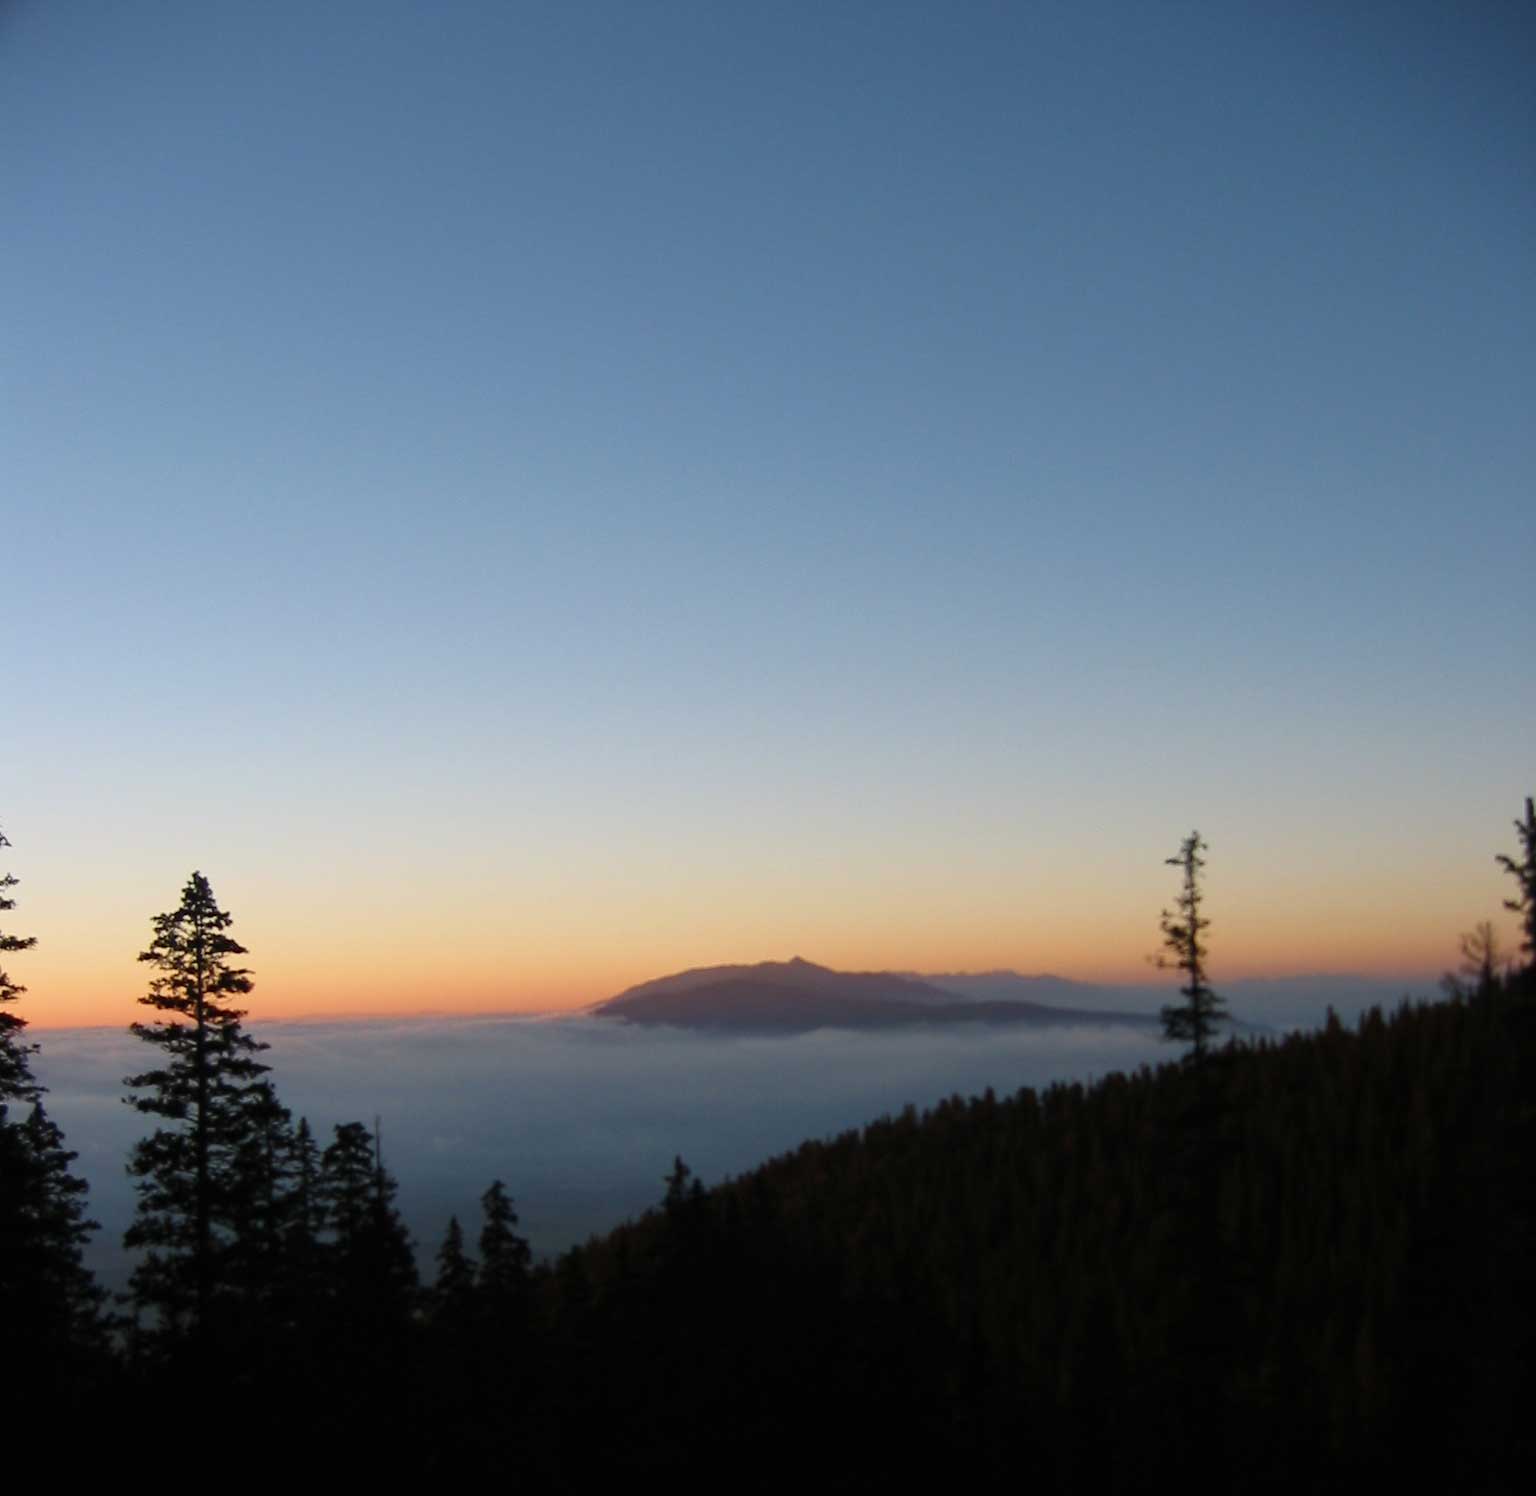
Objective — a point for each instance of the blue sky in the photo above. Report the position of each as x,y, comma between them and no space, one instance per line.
620,486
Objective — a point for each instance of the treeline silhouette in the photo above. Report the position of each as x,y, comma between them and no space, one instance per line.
1292,1265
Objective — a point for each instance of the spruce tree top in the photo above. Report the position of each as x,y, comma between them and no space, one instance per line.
191,952
190,948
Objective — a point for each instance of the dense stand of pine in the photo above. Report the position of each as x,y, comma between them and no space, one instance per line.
1300,1263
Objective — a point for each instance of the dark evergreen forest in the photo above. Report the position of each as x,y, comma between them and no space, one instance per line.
1294,1265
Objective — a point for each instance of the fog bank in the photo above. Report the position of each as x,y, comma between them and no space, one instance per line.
581,1118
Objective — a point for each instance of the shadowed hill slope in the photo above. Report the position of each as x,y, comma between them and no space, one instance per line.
1296,1265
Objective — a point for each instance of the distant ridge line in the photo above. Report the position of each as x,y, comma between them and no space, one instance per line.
797,995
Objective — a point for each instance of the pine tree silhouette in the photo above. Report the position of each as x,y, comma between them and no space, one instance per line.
1196,1018
192,1189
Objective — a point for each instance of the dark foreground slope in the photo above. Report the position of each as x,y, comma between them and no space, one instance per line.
1304,1264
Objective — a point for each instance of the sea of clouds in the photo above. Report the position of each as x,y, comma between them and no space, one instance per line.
580,1117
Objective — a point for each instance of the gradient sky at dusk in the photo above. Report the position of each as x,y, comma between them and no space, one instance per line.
527,497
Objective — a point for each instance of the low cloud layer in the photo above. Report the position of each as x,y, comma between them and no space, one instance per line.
579,1116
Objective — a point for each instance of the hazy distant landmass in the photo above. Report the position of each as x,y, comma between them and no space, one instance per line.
797,996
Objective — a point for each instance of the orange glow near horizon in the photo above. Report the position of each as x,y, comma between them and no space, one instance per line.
101,992
478,938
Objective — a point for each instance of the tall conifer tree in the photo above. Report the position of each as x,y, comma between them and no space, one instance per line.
208,1090
1196,1018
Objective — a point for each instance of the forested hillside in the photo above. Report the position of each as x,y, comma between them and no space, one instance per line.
1295,1264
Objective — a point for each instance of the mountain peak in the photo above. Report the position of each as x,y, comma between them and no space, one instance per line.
797,995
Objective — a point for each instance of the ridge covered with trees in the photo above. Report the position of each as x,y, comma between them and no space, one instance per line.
1280,1265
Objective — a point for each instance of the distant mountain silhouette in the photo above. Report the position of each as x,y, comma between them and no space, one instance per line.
796,996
